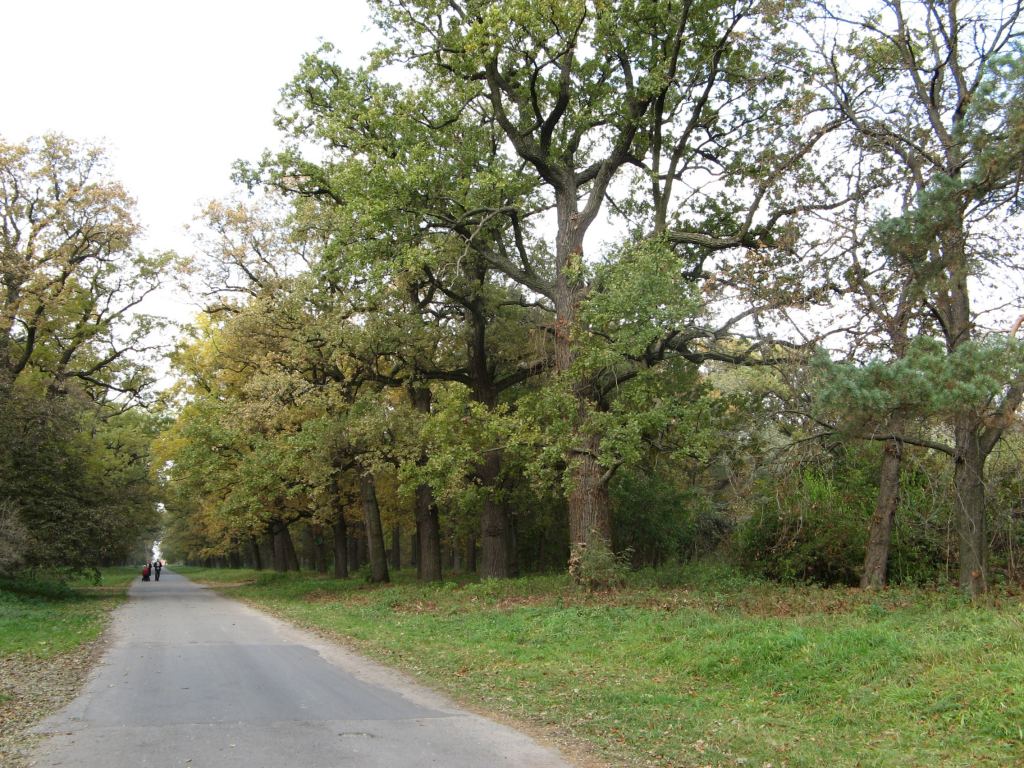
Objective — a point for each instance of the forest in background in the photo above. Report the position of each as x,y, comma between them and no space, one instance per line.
605,284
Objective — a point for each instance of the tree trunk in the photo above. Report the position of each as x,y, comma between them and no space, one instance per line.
494,523
257,558
340,548
876,558
969,503
471,558
954,307
494,516
374,530
589,506
292,557
319,548
279,534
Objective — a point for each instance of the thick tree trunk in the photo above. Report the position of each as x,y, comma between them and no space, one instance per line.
494,523
876,557
257,558
428,533
374,530
280,534
589,505
969,503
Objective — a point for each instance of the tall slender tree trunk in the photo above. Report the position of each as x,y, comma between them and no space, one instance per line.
339,526
291,556
954,306
969,503
428,521
374,530
876,558
340,548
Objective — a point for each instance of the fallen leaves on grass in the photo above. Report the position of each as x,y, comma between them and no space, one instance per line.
32,688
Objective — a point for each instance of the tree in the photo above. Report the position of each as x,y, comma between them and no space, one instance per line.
582,92
940,91
70,278
406,232
73,446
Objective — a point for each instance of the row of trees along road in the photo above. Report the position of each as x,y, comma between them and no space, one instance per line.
75,485
532,252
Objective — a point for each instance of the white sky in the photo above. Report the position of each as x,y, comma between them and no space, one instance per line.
176,91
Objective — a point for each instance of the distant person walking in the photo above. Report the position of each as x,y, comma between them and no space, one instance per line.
145,572
158,566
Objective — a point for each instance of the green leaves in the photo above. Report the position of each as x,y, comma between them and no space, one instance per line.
928,381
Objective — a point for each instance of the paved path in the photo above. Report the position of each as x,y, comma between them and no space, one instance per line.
195,680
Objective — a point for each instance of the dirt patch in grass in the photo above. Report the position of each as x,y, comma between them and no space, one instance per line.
323,596
511,603
31,688
416,606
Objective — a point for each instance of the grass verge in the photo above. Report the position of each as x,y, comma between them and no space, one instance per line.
49,636
709,669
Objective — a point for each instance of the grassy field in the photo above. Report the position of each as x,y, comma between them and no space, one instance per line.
696,667
48,634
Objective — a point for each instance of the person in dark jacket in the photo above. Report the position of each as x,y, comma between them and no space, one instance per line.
157,567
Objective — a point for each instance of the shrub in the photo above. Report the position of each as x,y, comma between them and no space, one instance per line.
813,529
661,522
596,567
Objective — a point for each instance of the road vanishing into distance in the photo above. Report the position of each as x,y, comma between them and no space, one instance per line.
194,680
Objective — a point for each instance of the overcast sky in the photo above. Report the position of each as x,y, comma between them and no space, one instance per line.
177,91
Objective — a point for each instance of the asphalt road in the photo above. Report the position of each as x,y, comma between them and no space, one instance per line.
195,680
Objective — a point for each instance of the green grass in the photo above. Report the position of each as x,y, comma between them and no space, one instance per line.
46,618
698,667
